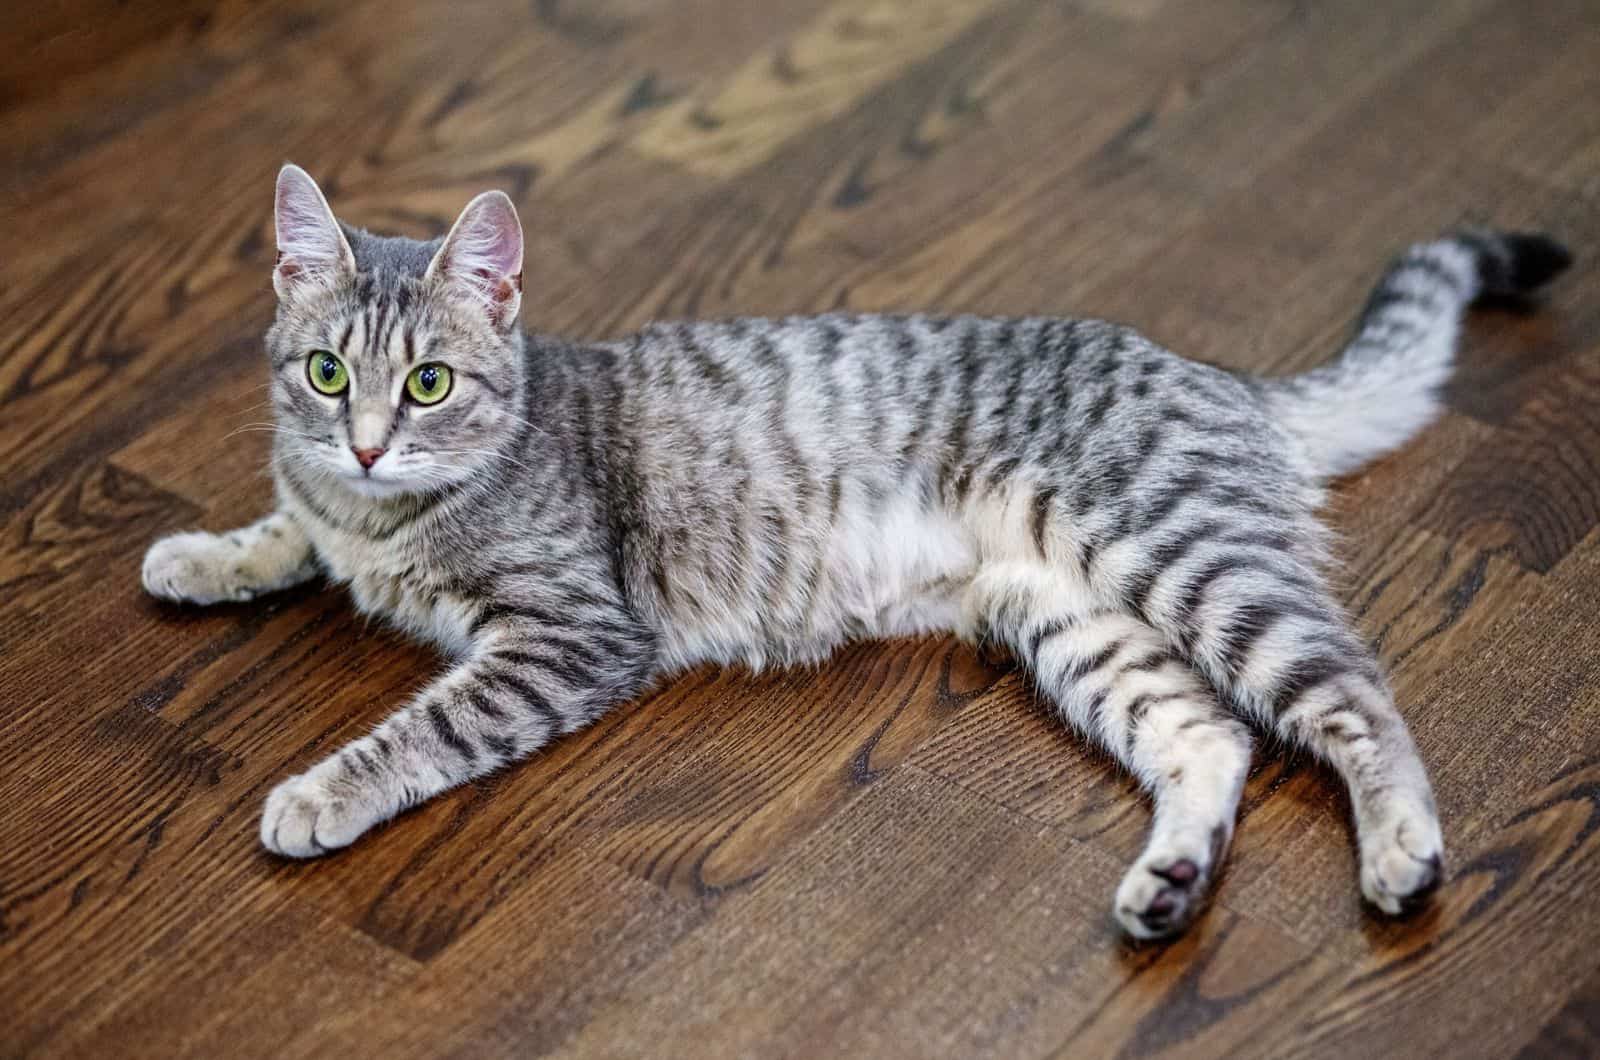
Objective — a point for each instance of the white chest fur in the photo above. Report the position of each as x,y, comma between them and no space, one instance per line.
391,580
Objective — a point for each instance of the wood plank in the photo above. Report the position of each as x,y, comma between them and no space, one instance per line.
774,757
1534,492
1574,1032
1503,925
1257,264
239,991
954,928
522,980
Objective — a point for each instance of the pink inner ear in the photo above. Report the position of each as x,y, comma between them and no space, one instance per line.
487,245
499,243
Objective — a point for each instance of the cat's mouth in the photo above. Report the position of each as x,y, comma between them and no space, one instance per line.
374,473
379,480
368,485
404,477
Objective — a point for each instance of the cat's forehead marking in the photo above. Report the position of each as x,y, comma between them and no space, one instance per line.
380,335
388,286
389,272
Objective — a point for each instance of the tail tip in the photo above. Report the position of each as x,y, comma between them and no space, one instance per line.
1522,262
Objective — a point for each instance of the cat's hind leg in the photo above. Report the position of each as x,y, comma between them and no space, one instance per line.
1254,615
1116,680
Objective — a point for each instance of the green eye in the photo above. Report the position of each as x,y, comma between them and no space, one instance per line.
428,383
326,372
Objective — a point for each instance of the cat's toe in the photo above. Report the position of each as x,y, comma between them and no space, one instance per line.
167,568
304,818
1403,865
1160,896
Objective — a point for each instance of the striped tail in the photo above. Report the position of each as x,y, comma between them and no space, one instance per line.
1384,387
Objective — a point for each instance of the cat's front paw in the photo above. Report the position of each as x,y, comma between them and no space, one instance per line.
195,568
315,813
1402,862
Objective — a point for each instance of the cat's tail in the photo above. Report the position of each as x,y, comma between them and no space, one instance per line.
1384,387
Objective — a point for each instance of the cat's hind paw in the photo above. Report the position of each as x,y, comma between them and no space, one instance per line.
1162,893
1403,863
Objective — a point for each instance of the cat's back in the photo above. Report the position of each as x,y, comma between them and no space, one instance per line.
873,405
793,482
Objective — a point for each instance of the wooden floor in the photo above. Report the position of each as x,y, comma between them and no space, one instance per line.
897,855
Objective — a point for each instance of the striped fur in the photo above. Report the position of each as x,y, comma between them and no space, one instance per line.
576,520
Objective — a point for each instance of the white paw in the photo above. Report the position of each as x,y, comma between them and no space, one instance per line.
1402,861
1163,891
316,813
195,568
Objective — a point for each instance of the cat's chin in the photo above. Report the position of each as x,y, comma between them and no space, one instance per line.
377,488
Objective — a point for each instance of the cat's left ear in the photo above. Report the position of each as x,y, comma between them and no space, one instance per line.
481,258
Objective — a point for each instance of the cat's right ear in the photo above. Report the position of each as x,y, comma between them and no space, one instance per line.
312,251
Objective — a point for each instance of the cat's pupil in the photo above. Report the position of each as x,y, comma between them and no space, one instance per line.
329,369
429,377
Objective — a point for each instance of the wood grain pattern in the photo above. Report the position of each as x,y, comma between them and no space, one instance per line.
899,854
852,47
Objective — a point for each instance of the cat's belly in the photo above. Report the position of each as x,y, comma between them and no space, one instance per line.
894,571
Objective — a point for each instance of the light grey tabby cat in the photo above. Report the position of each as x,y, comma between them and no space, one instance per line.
569,521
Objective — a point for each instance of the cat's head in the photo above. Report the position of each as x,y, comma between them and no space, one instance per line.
396,364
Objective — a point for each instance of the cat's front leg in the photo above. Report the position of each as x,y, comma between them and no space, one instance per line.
529,678
200,568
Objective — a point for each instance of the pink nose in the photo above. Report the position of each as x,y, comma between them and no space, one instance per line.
367,457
